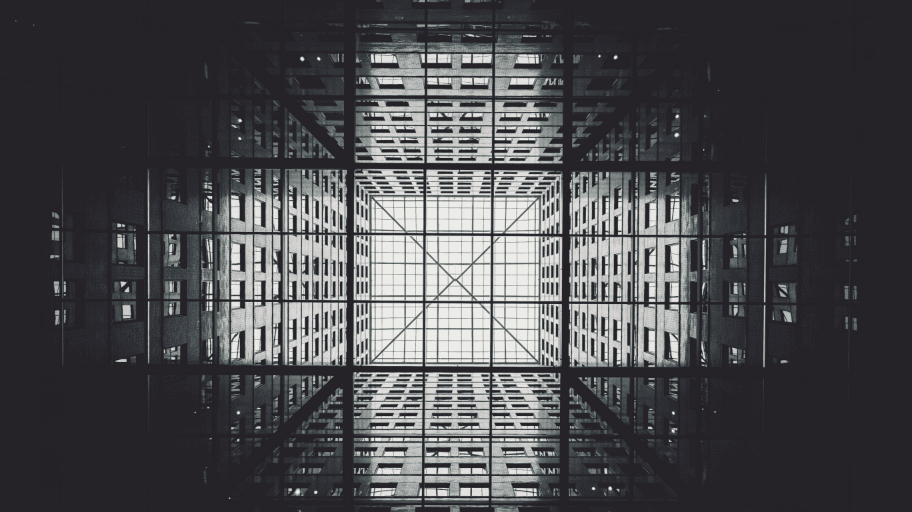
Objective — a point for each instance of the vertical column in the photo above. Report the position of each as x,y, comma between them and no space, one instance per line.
348,390
565,202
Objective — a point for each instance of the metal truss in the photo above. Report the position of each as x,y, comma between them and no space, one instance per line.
455,280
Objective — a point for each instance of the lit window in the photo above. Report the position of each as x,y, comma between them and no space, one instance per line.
785,297
525,489
519,469
735,294
435,490
474,82
439,82
472,469
436,469
383,58
435,58
476,58
474,490
528,58
522,81
237,206
389,469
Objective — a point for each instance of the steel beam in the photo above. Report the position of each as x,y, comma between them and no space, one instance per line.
272,83
643,90
348,388
694,372
668,474
268,445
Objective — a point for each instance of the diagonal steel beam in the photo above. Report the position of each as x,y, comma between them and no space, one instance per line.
273,84
668,474
450,283
456,279
244,469
643,90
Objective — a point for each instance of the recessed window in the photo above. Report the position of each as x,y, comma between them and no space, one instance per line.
474,490
435,490
519,469
389,469
785,297
125,250
525,489
175,298
383,489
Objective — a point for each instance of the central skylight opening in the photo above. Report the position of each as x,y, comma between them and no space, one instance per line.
454,278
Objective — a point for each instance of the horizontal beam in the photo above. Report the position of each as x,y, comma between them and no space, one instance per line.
327,163
751,372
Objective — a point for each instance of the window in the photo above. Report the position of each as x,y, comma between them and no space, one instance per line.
476,58
383,489
671,346
237,294
672,258
124,297
435,58
735,186
735,251
650,294
238,345
471,452
650,260
440,82
259,213
519,469
174,186
207,254
175,355
383,58
436,469
435,490
125,250
276,219
237,206
672,295
175,298
472,469
237,257
785,296
474,490
734,356
542,452
672,207
528,58
785,245
259,259
474,82
525,489
735,294
389,469
650,214
174,251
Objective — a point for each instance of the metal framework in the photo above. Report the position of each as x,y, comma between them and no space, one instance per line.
572,375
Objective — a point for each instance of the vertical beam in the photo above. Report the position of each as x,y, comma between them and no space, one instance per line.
348,149
565,202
